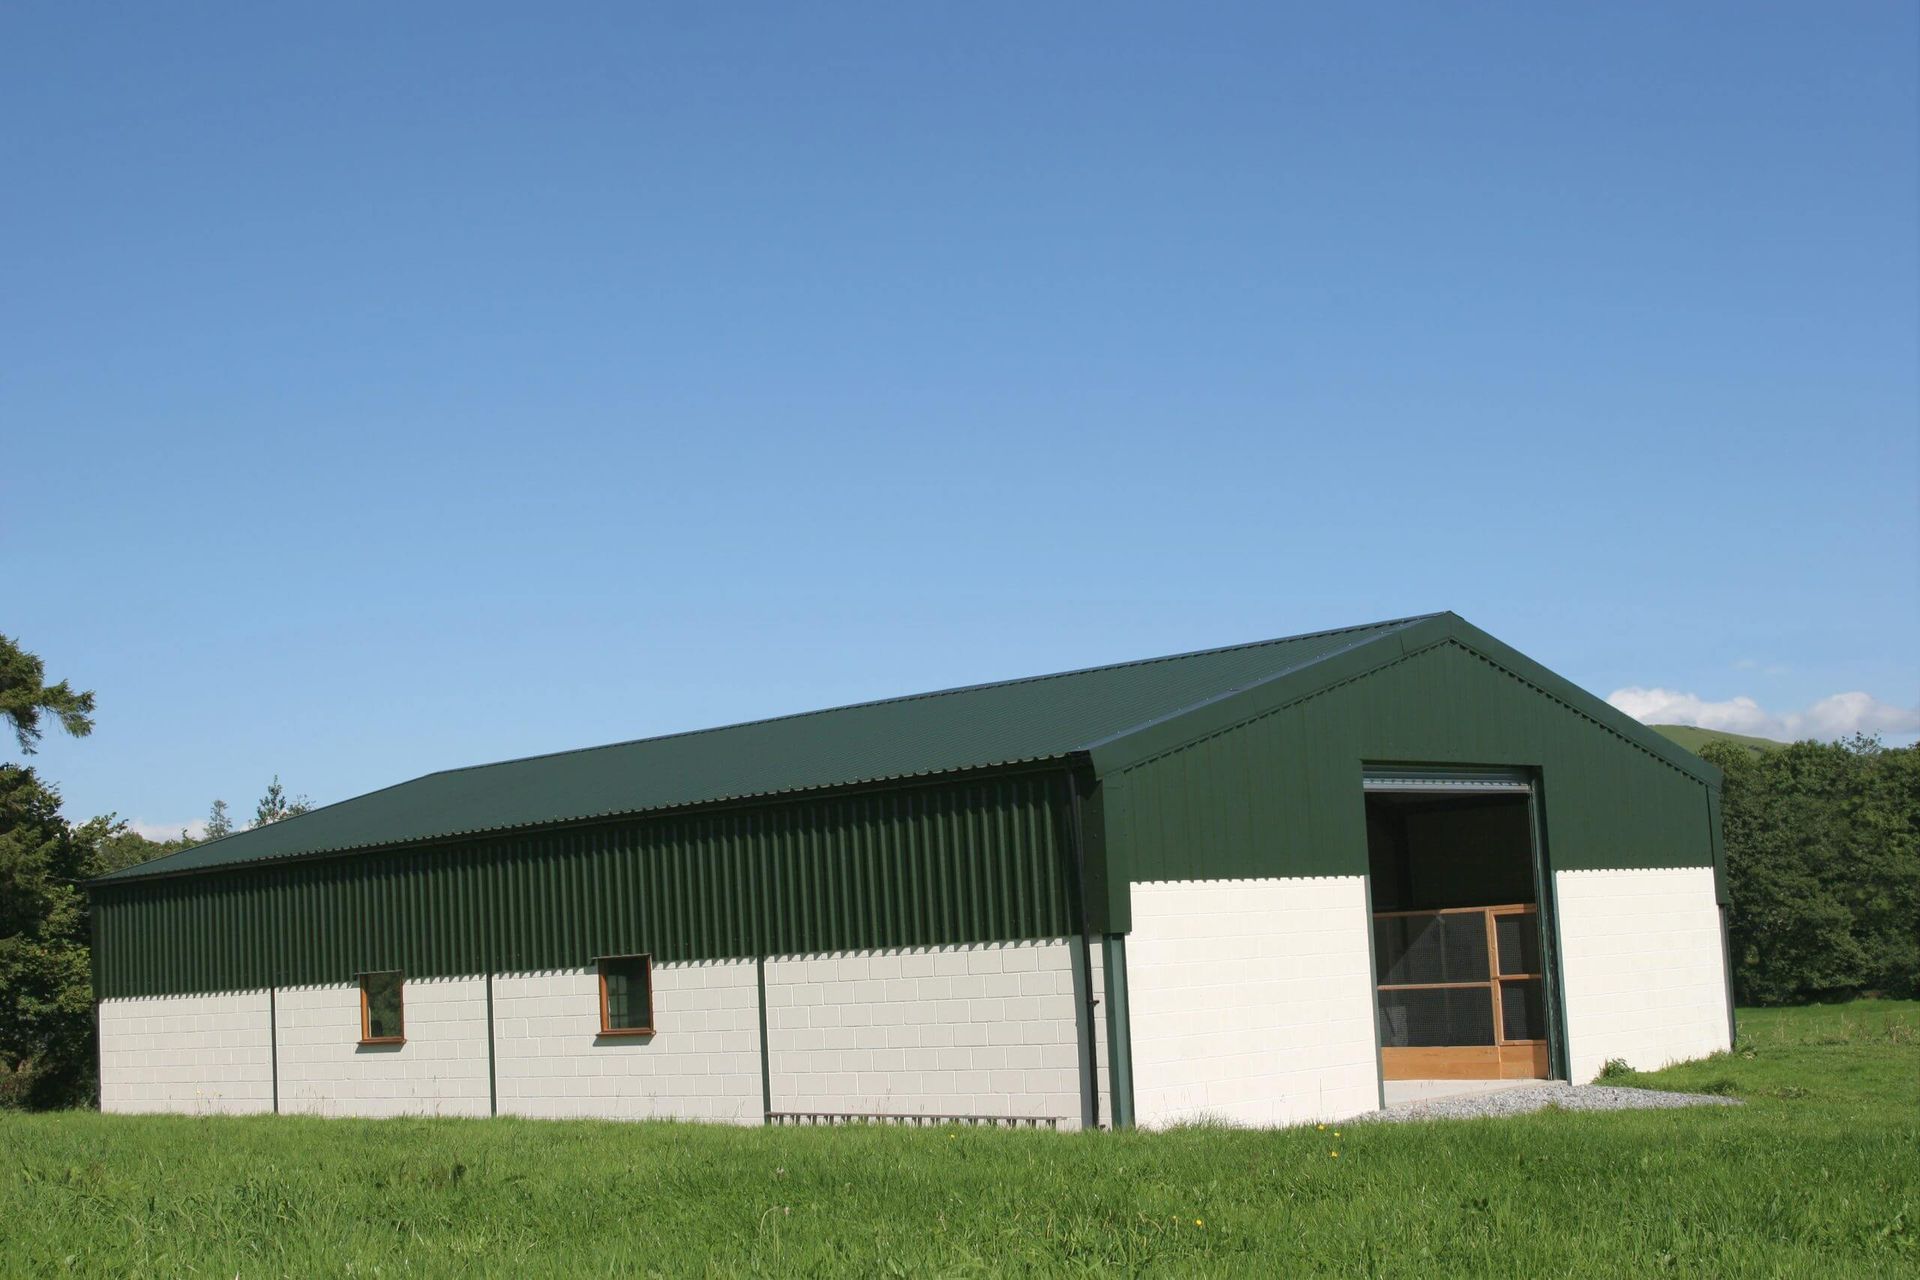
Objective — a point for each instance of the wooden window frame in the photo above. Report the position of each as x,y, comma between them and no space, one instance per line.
607,1029
366,1022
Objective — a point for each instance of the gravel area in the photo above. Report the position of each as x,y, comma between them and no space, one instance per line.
1577,1097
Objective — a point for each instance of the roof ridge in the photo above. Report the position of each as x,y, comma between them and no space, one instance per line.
912,697
1387,628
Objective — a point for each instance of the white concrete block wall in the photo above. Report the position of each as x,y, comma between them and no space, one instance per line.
702,1063
1251,1001
985,1030
195,1054
440,1070
1642,967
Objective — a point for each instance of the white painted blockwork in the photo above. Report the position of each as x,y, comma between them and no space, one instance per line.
1642,967
702,1064
987,1030
203,1053
1251,1001
441,1070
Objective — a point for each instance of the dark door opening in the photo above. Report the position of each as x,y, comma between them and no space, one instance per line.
1456,936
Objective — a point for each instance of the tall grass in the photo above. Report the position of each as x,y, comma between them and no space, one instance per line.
1819,1174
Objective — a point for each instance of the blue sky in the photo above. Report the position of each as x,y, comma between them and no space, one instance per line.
396,387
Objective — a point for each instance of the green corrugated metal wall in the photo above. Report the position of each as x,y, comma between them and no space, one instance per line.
1280,795
978,861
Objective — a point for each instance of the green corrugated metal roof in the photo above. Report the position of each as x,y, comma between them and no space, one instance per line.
1011,722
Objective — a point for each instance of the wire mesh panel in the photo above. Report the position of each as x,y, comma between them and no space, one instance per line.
1523,1010
1431,1017
1519,935
1436,946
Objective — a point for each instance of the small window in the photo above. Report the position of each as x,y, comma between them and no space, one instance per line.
380,1008
626,996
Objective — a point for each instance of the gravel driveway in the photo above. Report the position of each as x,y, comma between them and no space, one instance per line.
1520,1101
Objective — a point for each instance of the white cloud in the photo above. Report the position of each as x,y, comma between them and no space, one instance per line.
1846,713
196,829
1836,716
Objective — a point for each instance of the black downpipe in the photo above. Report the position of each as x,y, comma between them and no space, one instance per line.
766,1061
493,1080
1076,836
99,1057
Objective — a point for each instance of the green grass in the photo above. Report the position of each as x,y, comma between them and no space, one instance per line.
1818,1174
1694,738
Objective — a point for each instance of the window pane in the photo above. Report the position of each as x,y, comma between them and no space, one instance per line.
629,993
383,1005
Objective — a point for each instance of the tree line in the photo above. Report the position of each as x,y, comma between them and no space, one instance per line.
1822,847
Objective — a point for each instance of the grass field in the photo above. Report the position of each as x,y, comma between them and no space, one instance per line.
1819,1174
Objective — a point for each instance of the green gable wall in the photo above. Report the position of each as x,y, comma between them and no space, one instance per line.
1279,794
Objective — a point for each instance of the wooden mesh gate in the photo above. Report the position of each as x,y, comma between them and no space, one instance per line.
1461,993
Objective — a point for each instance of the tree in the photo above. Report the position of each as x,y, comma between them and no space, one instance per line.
46,996
46,985
1823,866
218,823
46,992
25,694
274,806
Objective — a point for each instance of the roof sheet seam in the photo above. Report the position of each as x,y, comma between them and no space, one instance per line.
1279,707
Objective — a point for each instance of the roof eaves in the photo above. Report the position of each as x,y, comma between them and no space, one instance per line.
138,871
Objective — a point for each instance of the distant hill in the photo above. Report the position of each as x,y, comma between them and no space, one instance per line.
1694,738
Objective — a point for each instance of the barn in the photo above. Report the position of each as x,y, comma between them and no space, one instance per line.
1263,884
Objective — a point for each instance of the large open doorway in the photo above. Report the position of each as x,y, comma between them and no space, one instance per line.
1459,953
